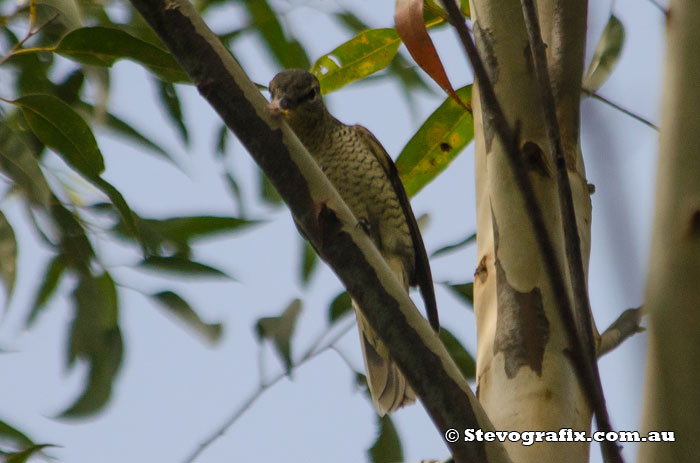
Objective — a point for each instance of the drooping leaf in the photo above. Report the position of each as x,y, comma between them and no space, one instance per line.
115,196
411,27
96,338
181,309
8,255
340,305
59,127
606,55
188,229
124,130
171,103
309,261
465,362
268,193
289,53
24,455
13,435
102,46
438,141
280,330
236,193
387,447
181,266
19,163
465,291
221,140
49,283
455,246
361,56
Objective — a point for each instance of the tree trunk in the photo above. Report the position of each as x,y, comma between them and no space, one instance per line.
672,396
525,379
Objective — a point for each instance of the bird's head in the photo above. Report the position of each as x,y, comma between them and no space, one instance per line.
296,95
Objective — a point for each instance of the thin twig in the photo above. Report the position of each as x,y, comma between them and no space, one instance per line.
582,308
509,138
621,109
627,324
311,353
30,33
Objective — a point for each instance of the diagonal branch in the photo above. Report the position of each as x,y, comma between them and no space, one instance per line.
327,222
582,307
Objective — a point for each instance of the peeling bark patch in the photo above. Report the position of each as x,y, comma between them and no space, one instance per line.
522,329
535,158
482,272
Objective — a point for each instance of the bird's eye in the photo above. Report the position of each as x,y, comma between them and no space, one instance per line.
310,95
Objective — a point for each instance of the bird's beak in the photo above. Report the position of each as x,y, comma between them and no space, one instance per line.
276,109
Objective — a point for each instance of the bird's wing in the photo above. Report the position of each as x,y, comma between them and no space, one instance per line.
422,275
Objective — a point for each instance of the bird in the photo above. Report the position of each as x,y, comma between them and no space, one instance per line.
367,179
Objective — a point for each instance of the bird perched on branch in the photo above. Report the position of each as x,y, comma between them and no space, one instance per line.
366,178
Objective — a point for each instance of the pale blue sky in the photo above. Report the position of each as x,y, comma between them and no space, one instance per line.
174,390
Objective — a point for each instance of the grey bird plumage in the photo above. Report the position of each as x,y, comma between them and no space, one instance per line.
366,178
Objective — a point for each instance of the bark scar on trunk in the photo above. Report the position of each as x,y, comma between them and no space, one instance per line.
522,328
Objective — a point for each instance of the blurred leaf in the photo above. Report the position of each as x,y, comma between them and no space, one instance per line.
289,53
186,229
455,246
67,10
8,255
49,283
309,261
465,362
26,454
181,266
341,305
171,102
127,216
69,89
465,291
59,127
96,338
74,243
18,162
364,54
410,25
13,435
268,193
280,330
606,55
221,139
121,128
387,447
183,311
438,141
236,193
102,46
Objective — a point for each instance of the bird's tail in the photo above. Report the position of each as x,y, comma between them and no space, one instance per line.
387,385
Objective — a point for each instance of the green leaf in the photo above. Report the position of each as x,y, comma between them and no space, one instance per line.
235,190
127,216
455,246
280,330
17,437
465,362
309,261
465,291
187,229
49,283
439,140
59,127
181,266
289,53
387,447
96,338
178,307
221,140
606,55
102,46
8,255
341,305
171,102
18,162
26,454
364,54
268,193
